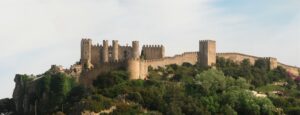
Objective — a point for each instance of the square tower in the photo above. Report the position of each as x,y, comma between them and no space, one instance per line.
272,62
207,53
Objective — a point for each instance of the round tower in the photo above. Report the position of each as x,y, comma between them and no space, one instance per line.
105,51
135,49
86,52
133,68
115,52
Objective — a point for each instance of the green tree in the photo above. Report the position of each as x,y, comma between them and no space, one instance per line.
110,79
211,81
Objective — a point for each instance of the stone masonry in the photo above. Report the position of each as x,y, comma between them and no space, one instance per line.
137,62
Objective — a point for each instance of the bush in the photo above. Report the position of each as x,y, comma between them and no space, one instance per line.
110,79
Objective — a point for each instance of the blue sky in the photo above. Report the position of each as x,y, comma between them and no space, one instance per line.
35,34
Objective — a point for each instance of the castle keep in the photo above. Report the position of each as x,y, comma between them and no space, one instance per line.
97,58
95,55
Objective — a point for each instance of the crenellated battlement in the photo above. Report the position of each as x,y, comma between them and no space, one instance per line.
153,52
97,46
269,58
135,42
152,46
86,40
206,41
190,53
125,46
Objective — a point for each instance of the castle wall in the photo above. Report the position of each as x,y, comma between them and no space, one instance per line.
238,57
125,52
153,52
88,77
108,57
143,69
138,69
292,69
190,57
272,62
96,49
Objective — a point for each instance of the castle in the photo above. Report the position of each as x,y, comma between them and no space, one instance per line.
96,58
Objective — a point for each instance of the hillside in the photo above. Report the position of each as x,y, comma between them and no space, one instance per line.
228,88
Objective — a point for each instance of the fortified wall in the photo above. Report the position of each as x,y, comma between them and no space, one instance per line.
292,69
98,58
153,52
273,63
190,57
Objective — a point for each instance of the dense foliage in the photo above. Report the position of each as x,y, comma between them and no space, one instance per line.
285,96
190,89
52,92
7,106
229,89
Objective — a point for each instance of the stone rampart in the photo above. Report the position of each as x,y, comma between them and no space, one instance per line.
190,57
238,57
292,69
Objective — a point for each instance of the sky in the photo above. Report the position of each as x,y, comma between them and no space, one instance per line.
35,34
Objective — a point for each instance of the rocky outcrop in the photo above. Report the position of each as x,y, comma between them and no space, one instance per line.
18,94
24,86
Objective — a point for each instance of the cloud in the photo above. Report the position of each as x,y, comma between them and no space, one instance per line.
38,33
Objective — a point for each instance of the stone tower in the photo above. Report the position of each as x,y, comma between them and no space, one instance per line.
137,68
86,55
134,63
105,51
135,49
133,68
272,62
115,52
207,53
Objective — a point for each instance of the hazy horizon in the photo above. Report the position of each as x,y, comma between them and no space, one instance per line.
36,34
